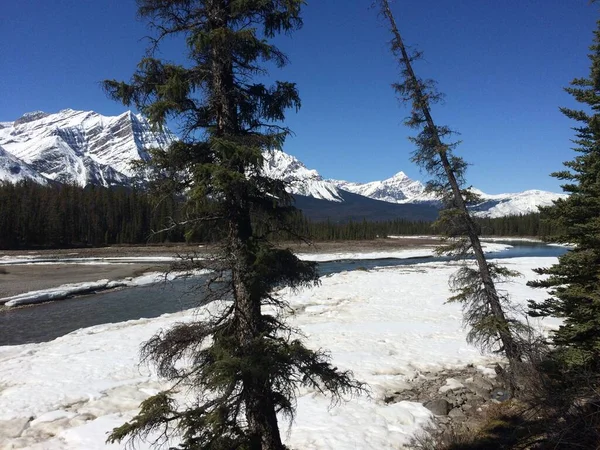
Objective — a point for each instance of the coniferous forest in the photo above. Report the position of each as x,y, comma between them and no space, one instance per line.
36,216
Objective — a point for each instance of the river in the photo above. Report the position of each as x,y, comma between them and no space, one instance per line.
47,321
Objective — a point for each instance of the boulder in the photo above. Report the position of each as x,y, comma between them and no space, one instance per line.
457,415
439,406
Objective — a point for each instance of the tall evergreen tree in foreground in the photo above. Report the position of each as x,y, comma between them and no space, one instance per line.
475,287
574,282
243,363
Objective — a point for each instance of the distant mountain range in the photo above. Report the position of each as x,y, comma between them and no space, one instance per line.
399,190
84,147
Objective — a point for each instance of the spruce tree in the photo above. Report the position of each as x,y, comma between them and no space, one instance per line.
475,287
574,282
244,364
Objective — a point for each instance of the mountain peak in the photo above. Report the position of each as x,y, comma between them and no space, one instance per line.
30,117
81,147
300,180
396,189
399,176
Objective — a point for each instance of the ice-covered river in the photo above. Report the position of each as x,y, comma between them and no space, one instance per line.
48,321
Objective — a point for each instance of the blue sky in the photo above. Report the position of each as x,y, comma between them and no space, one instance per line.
502,65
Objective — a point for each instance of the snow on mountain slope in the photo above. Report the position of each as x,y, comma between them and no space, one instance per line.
14,170
397,189
500,205
401,189
81,147
301,180
84,147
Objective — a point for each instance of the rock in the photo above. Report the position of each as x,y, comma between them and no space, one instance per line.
500,395
439,407
457,415
483,393
483,383
472,397
13,428
456,397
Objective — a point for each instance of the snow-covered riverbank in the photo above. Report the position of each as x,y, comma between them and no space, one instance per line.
68,290
423,252
384,324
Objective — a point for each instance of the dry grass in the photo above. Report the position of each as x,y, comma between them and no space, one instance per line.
508,425
517,425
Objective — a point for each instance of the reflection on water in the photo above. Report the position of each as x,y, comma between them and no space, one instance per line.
48,321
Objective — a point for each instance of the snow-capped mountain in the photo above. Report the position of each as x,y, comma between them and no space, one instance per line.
500,205
401,189
81,147
397,189
302,181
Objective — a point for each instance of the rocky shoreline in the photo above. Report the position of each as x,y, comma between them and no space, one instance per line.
458,398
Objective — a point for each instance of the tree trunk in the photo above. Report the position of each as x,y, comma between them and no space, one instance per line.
260,410
257,396
510,348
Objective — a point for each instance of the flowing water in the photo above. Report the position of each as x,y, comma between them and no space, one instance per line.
48,321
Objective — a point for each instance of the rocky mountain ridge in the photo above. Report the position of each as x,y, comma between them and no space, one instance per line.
79,147
84,147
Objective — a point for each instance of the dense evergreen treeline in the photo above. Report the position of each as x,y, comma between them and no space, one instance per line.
523,225
32,215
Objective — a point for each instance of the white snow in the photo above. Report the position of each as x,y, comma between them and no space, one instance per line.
512,238
401,189
385,325
80,147
488,247
38,259
302,181
13,170
526,202
397,189
451,385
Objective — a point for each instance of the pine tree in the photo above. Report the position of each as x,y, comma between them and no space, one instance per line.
475,287
244,363
574,282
